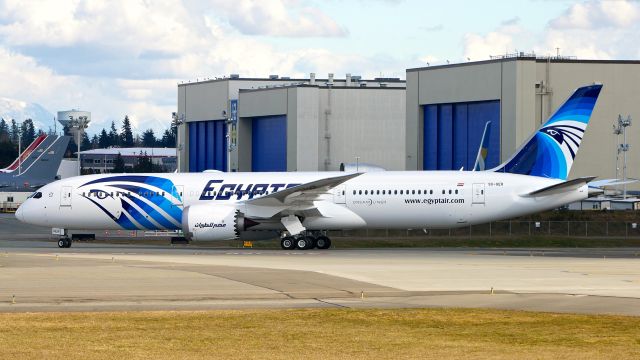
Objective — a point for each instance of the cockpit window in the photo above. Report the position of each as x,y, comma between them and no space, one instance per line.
37,195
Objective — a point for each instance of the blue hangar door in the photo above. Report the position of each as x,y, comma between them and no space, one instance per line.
207,145
269,143
452,134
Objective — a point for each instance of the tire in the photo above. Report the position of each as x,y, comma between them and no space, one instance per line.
301,243
311,242
323,242
62,243
288,243
69,242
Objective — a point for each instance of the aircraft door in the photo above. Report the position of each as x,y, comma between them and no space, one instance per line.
478,194
65,196
339,194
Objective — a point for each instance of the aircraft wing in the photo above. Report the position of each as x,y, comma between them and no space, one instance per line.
308,192
301,200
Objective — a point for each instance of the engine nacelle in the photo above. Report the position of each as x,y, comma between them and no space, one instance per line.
206,222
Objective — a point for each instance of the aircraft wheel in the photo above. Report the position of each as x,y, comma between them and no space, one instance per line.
64,243
288,243
311,242
323,242
304,243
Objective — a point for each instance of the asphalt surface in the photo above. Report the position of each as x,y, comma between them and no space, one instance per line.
35,275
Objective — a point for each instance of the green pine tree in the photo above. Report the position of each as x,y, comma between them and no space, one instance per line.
118,164
126,134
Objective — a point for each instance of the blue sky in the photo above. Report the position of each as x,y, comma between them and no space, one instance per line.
117,57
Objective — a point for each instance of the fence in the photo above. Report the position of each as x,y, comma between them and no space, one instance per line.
8,207
513,228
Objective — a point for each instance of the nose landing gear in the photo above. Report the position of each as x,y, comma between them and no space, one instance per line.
64,242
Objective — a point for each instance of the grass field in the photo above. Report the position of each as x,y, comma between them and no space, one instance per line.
318,334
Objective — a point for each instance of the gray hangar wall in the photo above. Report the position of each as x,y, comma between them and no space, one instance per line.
448,104
202,141
321,127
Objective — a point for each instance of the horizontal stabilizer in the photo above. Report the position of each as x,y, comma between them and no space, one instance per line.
610,182
561,187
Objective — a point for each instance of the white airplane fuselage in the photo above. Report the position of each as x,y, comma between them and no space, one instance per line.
386,199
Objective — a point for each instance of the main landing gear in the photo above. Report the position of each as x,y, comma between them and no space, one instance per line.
64,242
305,242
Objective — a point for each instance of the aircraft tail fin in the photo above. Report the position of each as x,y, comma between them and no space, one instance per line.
481,158
44,164
551,150
23,158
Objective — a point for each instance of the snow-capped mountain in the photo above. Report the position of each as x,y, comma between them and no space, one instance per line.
21,110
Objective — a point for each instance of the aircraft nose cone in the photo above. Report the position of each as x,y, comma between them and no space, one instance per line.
20,213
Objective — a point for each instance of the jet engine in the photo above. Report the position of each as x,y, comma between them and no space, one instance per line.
206,222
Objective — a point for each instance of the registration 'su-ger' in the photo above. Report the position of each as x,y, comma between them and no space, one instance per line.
301,206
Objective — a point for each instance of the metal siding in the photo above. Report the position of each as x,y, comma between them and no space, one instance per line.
201,146
207,145
430,138
479,114
220,147
460,137
445,137
193,151
210,153
452,134
269,143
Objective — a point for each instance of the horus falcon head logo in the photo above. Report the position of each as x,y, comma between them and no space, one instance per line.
567,136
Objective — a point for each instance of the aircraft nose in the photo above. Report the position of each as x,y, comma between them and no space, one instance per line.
20,213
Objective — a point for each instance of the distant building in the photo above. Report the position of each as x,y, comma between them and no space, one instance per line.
102,160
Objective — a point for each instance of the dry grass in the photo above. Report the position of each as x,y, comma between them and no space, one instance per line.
318,334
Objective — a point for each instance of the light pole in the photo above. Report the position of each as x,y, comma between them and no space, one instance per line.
80,123
179,121
227,121
624,147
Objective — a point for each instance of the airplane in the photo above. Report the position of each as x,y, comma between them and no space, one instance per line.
483,150
36,166
301,206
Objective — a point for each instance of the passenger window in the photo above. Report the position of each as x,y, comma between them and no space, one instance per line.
395,192
360,192
413,192
419,192
366,192
443,192
354,192
482,192
431,192
456,191
400,192
449,191
383,192
377,192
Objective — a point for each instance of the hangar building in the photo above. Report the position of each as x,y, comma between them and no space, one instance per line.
447,107
283,124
